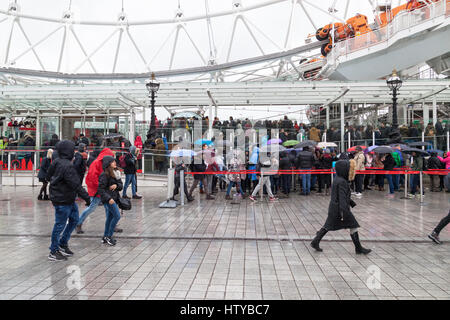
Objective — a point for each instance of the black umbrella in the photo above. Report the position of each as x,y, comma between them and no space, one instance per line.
307,143
383,149
398,145
418,151
419,144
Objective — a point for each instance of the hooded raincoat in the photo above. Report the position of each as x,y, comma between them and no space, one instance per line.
339,214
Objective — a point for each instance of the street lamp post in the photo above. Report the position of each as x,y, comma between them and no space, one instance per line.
394,83
152,88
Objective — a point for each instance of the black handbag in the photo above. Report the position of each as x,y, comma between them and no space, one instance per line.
124,204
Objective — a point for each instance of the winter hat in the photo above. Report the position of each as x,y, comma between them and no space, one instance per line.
81,147
107,160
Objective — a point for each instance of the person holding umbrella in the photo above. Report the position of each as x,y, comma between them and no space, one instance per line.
359,178
415,178
339,213
389,165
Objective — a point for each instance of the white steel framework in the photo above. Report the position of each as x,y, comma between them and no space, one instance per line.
102,98
275,56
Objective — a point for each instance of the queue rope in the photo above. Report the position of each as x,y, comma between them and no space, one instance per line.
324,171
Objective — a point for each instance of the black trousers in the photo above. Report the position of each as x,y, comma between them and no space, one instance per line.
443,223
359,183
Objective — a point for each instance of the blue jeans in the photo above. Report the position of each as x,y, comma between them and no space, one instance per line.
415,181
286,183
95,201
129,178
396,181
231,184
313,181
390,179
62,213
112,217
306,182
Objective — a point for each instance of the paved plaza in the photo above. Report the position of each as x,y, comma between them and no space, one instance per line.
219,250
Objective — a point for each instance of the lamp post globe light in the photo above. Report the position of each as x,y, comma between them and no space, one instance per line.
152,87
394,83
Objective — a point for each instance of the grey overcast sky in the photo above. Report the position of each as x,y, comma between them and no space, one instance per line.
268,24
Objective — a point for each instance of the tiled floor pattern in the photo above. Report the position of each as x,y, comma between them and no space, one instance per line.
216,250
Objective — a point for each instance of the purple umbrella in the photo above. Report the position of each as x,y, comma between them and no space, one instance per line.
274,141
369,149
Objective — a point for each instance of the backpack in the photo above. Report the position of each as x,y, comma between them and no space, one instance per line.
397,158
122,163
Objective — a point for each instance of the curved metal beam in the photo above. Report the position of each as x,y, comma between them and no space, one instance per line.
165,73
145,22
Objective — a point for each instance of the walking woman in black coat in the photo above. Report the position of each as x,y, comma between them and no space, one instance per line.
109,186
339,214
45,165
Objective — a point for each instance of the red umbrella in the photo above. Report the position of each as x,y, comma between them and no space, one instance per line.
353,149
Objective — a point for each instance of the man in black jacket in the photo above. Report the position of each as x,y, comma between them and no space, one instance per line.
64,187
433,163
286,178
79,163
305,161
130,173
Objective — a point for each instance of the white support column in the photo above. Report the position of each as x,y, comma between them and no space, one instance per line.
60,126
434,110
38,131
328,117
405,114
132,126
210,122
342,124
426,114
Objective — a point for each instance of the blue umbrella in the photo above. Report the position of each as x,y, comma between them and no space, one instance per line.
182,153
254,156
203,141
439,152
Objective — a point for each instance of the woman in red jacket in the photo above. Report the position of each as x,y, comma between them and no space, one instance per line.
95,170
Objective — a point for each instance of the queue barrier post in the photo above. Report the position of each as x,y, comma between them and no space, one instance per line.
15,174
9,163
169,203
406,185
261,190
33,173
182,187
421,187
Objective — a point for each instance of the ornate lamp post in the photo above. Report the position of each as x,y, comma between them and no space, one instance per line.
394,83
152,88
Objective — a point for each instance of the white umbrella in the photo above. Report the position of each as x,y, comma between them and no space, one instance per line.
322,145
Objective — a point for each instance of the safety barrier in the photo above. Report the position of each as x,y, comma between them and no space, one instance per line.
369,170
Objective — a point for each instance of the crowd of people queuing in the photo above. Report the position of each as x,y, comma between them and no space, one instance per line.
293,130
276,183
67,164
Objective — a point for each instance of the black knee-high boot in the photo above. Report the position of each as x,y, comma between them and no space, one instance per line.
358,247
316,240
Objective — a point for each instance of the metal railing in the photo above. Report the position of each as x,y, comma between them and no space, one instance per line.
402,21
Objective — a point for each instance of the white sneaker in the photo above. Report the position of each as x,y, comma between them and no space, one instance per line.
358,194
354,193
